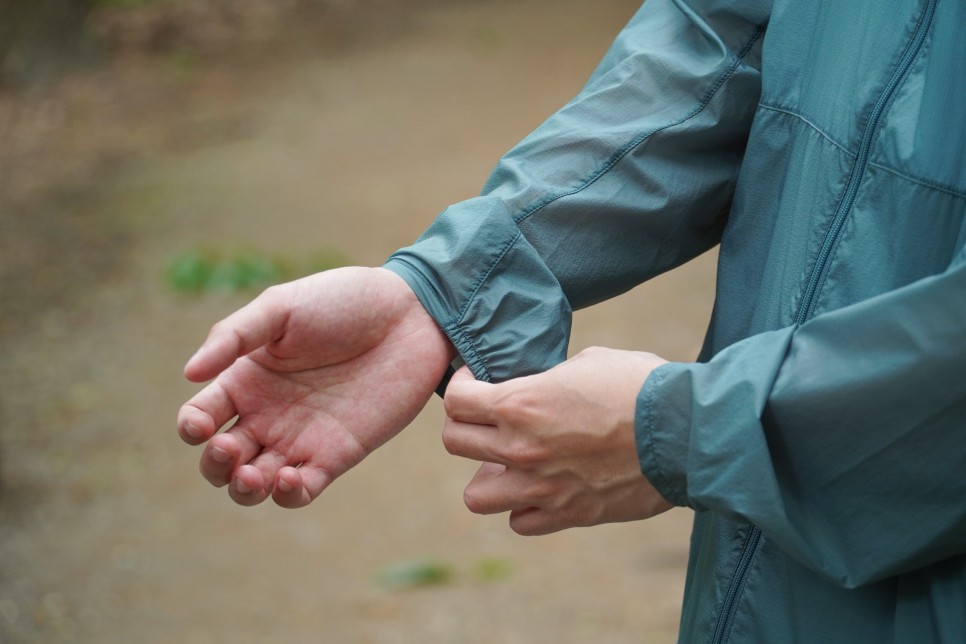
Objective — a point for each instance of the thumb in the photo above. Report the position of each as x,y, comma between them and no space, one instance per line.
256,324
469,400
462,375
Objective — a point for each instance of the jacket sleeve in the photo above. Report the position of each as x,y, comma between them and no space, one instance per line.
631,178
843,439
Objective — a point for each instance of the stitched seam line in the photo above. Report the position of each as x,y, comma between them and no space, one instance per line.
940,187
455,327
935,185
634,143
808,122
485,276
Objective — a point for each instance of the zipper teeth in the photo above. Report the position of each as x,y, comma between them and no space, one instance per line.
729,608
723,628
861,162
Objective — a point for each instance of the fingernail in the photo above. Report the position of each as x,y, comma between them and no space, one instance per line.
220,455
241,487
192,430
284,486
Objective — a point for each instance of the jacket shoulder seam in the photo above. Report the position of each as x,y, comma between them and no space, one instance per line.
638,140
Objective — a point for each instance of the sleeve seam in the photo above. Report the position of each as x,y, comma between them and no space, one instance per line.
637,141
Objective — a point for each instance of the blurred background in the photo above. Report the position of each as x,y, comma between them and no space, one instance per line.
161,161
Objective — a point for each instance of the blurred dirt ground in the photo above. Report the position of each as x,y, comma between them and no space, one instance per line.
350,135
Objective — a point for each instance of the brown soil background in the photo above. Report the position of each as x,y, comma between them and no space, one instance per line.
351,137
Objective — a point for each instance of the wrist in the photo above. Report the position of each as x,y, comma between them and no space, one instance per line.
415,310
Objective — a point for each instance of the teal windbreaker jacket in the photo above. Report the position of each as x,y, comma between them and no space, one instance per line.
821,435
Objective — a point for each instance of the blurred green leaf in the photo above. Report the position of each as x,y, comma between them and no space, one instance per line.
249,270
492,569
415,573
190,272
201,271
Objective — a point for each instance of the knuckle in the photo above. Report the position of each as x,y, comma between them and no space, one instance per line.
272,292
450,400
517,408
218,328
449,442
590,352
525,453
543,491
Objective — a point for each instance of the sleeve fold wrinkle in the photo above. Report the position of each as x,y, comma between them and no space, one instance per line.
631,178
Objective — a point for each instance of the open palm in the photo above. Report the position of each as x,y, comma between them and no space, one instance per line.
318,372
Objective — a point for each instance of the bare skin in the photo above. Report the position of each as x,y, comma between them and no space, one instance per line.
319,372
558,448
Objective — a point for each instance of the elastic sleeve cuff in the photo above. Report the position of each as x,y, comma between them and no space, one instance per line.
488,290
662,431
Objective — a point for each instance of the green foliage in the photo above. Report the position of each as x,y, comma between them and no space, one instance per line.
492,569
416,573
189,272
203,271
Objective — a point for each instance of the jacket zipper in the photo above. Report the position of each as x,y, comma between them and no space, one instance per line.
819,272
722,629
806,309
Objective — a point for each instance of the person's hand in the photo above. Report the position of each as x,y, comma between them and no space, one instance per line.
319,372
558,448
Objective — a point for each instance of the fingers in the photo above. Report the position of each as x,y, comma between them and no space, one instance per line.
529,500
469,400
495,489
476,442
533,522
202,416
252,475
225,453
259,322
297,487
565,439
271,473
